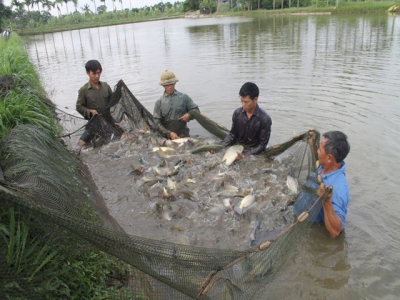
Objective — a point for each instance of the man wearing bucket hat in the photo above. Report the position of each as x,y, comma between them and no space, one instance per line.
172,110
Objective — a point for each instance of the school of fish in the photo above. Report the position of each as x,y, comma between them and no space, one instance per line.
181,191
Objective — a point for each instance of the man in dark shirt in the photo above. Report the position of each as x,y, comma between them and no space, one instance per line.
93,98
251,125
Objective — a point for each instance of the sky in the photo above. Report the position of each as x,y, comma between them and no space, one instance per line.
108,3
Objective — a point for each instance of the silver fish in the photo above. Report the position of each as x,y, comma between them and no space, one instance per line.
231,154
180,141
292,184
246,202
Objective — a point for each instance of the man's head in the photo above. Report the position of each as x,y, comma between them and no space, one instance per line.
333,146
249,96
168,81
93,69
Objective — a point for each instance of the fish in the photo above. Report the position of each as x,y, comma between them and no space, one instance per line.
163,149
246,203
165,155
254,227
227,203
231,154
180,141
171,184
205,148
292,184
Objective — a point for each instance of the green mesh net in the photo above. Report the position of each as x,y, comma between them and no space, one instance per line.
54,193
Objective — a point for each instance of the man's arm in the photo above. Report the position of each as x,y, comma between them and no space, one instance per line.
230,139
81,105
157,119
332,221
188,116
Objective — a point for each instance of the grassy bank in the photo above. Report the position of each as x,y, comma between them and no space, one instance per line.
80,21
23,100
33,265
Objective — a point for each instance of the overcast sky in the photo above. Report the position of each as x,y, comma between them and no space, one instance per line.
125,4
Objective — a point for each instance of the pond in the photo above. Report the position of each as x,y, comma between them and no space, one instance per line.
323,72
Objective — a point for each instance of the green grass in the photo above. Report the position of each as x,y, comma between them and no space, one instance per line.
32,266
32,269
26,103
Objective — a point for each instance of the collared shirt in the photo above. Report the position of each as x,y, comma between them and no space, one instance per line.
254,132
170,108
340,197
91,98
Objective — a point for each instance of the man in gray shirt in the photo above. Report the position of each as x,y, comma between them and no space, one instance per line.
172,109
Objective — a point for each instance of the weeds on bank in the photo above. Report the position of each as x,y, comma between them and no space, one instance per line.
32,266
34,270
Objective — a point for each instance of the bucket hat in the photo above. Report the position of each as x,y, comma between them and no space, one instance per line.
168,77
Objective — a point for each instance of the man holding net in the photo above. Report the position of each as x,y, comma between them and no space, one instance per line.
93,100
332,151
251,125
172,110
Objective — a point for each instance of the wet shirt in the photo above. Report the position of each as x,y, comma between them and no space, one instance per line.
341,197
168,109
91,98
254,132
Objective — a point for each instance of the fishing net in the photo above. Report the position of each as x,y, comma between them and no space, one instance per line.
55,195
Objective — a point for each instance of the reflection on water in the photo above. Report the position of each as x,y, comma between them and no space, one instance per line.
324,72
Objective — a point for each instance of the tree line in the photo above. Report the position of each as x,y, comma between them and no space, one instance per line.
35,13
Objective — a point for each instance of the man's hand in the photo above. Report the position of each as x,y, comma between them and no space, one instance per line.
93,112
239,156
173,135
185,118
321,190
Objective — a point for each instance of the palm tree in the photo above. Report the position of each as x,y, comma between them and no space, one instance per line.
48,4
94,2
75,4
37,2
86,9
66,5
28,3
113,2
58,3
16,4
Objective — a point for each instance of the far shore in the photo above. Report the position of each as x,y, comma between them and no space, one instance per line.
377,7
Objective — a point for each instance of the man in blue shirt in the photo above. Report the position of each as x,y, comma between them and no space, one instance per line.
251,125
332,150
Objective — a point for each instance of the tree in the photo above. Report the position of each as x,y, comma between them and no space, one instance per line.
86,9
113,3
37,2
120,1
28,3
48,4
58,3
66,5
101,9
94,2
5,12
191,5
75,4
